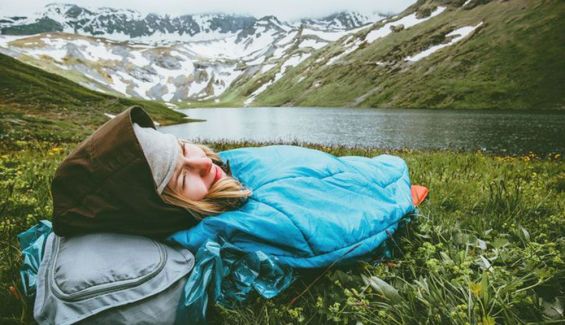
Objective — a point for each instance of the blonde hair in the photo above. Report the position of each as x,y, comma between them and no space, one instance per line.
224,195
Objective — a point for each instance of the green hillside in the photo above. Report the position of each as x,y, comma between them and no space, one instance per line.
514,60
38,104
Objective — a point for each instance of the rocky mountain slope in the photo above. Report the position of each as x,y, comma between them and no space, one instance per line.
172,59
436,54
35,103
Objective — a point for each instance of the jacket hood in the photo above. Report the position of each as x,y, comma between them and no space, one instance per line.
106,184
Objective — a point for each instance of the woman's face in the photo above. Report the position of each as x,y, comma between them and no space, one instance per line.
194,173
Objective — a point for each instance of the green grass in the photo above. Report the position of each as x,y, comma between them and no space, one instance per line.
510,62
487,246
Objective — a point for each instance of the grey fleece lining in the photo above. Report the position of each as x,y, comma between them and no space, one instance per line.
161,151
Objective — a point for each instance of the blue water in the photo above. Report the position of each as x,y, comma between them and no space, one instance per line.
507,132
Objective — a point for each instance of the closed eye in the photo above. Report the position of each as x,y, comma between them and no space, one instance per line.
179,174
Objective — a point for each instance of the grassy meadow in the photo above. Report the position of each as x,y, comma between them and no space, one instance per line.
486,247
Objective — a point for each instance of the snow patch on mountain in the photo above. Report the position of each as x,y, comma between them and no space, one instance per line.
259,90
406,22
327,36
457,35
6,39
350,46
230,48
288,38
312,43
138,59
119,84
267,67
290,62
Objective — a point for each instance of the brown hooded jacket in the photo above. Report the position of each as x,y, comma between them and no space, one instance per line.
105,184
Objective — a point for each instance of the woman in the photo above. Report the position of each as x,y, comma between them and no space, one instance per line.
309,209
129,178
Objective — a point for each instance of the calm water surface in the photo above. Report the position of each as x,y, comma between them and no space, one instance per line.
507,132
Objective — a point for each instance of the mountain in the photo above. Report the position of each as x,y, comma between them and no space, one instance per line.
125,25
341,20
171,59
35,103
435,54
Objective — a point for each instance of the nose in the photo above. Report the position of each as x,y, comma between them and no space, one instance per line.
202,165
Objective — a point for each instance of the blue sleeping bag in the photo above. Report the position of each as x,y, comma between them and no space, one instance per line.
308,209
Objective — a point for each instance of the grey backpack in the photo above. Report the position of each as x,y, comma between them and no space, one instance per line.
106,278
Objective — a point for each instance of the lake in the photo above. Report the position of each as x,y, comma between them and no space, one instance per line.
503,132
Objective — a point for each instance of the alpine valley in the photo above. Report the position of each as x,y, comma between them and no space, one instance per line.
435,54
487,245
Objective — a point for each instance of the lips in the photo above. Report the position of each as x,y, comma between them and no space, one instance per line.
219,173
